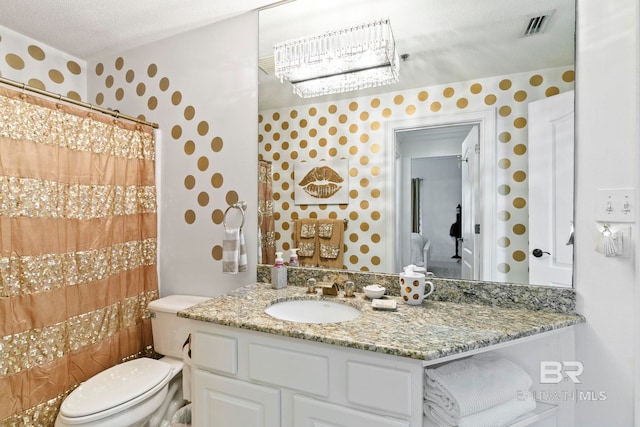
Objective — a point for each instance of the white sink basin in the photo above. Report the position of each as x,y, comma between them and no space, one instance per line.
312,311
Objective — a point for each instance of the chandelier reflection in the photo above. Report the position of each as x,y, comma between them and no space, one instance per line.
357,57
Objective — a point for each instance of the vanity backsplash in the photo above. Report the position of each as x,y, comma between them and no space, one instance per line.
507,295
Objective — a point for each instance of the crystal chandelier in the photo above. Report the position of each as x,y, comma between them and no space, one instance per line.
352,58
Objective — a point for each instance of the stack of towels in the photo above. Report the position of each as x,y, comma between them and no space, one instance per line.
480,391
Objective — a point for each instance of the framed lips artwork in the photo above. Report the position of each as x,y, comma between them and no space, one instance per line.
321,183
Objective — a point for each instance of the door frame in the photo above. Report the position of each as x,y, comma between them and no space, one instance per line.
486,120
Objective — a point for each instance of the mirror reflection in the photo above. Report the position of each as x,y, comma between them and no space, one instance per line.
441,166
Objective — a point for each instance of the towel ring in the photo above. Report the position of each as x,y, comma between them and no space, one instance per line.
241,206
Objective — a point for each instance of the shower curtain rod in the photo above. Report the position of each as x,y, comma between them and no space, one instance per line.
59,97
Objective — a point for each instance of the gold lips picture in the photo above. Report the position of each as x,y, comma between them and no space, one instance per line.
321,184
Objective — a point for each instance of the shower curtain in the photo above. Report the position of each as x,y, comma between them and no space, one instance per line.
266,226
415,205
77,250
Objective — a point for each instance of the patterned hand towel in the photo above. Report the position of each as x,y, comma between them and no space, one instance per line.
234,254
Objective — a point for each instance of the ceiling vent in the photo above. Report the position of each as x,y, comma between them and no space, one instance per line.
267,65
536,24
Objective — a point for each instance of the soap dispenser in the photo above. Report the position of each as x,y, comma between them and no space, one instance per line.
293,258
279,273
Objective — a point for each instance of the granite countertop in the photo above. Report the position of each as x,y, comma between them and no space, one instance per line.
430,331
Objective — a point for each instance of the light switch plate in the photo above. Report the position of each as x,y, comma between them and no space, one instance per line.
616,205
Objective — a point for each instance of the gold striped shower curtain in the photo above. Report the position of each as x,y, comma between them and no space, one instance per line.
78,246
266,226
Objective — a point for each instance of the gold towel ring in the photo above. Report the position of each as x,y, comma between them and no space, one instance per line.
241,206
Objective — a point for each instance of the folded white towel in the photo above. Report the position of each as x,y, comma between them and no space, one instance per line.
234,253
496,416
471,385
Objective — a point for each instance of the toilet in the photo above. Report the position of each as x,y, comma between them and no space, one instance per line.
140,392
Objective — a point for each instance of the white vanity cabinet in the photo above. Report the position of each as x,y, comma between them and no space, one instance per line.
247,378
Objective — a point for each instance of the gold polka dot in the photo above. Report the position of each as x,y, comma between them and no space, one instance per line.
435,106
323,120
217,144
56,76
504,137
375,102
364,116
333,152
551,91
333,130
504,163
293,114
568,76
203,128
504,267
303,123
294,134
267,127
189,147
410,110
119,94
386,113
536,80
520,123
99,68
504,189
519,229
519,256
504,216
423,96
216,252
312,112
520,149
203,163
520,96
152,103
462,103
448,92
364,226
504,111
176,98
343,140
284,125
353,259
36,52
353,194
141,89
375,171
476,88
190,216
504,242
152,70
375,193
176,132
74,95
353,106
36,83
217,216
130,76
364,160
519,203
364,183
490,99
108,82
375,260
353,128
364,204
375,215
353,150
519,176
99,98
203,199
231,197
375,238
505,84
164,84
119,63
364,249
375,148
313,132
189,112
217,180
398,99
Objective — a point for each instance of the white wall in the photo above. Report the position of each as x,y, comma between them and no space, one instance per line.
607,157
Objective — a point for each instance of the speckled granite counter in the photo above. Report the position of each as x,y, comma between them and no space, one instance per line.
431,331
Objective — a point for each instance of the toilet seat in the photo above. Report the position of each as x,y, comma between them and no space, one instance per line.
116,389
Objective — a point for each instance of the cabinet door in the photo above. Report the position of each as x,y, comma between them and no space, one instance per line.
225,402
308,412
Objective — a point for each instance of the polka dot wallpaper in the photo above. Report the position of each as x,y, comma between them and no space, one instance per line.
27,61
354,129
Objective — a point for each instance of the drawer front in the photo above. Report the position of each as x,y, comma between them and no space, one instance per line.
215,352
295,370
379,387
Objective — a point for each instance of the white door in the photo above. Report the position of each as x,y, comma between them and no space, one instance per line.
470,212
551,131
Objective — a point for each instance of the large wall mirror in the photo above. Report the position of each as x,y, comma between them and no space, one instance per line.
465,164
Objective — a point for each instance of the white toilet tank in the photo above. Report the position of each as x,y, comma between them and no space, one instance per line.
169,330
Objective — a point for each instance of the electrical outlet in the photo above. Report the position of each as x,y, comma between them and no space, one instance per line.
616,205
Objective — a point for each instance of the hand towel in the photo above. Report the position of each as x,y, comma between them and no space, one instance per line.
305,239
495,416
331,243
234,253
471,385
